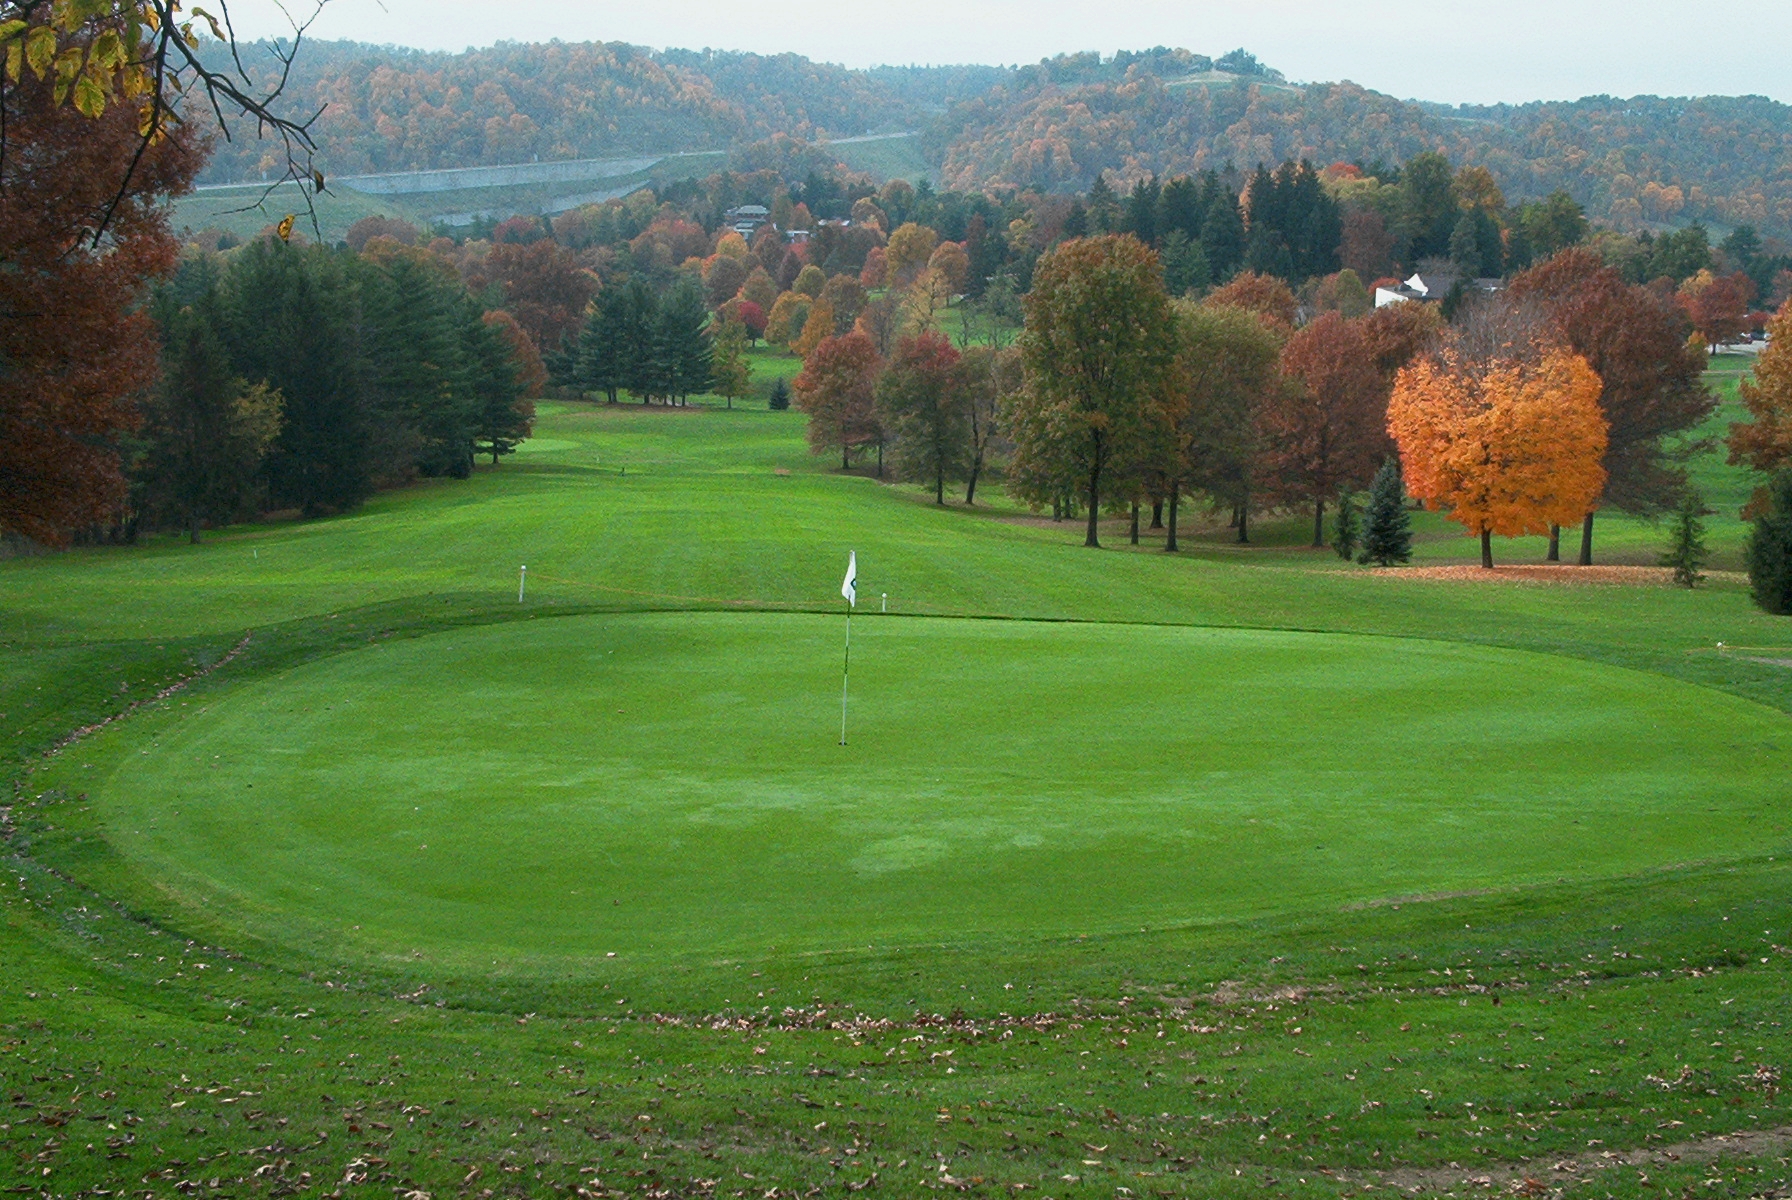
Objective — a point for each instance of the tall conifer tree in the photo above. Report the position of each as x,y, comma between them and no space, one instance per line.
1387,526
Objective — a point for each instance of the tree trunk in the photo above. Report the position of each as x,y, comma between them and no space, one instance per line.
970,487
1487,547
880,460
1244,524
1157,513
192,529
1175,496
1586,541
1092,538
1555,544
845,455
1135,522
1319,523
1057,510
939,485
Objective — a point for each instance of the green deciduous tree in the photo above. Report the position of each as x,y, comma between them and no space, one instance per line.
731,369
1225,366
1099,346
921,402
992,377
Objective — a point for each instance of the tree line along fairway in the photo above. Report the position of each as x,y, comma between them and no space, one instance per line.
547,793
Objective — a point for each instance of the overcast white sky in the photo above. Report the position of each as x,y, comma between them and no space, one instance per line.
1458,51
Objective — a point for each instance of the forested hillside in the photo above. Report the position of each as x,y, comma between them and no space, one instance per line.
1052,126
387,109
1645,160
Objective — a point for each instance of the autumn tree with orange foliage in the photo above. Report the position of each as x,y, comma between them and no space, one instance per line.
1509,446
1326,428
817,325
75,345
1264,295
531,373
1765,443
837,388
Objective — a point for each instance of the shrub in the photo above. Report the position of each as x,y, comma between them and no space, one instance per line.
1769,551
1686,540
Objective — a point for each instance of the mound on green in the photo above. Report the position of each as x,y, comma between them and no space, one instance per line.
545,794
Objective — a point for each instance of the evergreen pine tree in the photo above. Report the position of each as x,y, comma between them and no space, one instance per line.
1222,229
1387,532
1346,527
502,415
612,342
292,318
685,340
780,397
1769,550
421,381
206,429
1686,540
1185,264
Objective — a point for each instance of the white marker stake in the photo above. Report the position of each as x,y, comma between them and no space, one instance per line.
522,581
849,591
845,668
886,603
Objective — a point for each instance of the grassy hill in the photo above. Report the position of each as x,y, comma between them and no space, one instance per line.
1236,872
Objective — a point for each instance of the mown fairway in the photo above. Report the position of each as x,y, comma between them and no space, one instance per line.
1213,865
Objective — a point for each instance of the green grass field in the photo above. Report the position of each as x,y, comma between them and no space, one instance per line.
1241,871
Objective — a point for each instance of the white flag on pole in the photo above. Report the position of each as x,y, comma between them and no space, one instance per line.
849,587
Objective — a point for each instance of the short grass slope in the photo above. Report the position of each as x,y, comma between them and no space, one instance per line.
332,869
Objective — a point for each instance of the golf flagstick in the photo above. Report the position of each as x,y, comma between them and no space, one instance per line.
849,588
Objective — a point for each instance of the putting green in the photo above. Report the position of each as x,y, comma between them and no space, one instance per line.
544,793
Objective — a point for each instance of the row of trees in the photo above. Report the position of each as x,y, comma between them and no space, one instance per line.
1533,411
655,346
301,377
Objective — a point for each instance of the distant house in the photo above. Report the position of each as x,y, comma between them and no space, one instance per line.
797,237
1428,288
745,219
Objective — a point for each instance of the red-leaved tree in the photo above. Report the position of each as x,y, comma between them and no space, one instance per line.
837,387
75,348
1326,427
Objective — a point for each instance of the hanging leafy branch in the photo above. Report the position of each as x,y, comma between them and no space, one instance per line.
148,54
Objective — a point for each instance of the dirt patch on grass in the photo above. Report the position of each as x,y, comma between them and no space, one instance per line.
1549,574
1551,1176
